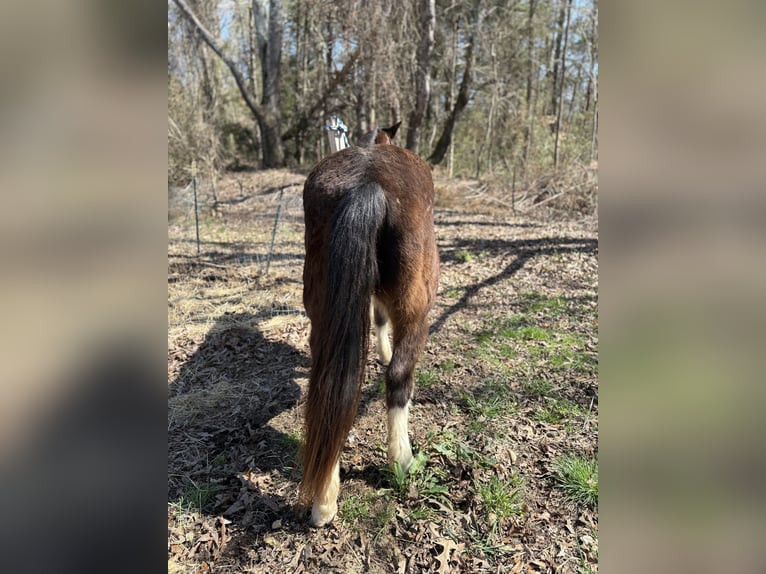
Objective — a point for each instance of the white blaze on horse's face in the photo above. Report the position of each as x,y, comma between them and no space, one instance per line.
399,449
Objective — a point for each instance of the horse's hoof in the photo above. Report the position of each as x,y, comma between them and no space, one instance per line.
322,515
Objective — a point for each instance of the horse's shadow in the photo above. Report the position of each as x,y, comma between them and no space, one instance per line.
224,456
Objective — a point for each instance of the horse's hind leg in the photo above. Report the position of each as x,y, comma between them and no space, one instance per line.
380,317
409,340
325,505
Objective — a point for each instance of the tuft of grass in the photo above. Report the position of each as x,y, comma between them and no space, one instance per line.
452,449
577,477
488,407
292,440
365,511
426,378
381,384
537,388
448,366
464,256
533,302
420,481
501,498
454,293
557,411
528,333
421,512
196,497
489,402
356,508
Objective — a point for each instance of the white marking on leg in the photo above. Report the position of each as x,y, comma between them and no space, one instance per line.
384,343
326,503
399,449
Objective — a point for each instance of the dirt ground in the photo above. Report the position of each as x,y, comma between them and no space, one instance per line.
507,387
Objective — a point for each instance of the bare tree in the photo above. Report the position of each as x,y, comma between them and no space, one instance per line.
267,113
444,141
557,57
560,98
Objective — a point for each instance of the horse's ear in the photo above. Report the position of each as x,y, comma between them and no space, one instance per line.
391,132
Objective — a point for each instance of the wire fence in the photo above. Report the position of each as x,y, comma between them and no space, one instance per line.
266,205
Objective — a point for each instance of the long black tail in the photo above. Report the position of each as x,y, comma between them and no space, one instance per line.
337,369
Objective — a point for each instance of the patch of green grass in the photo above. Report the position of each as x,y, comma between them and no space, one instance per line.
426,378
452,449
385,514
356,508
501,498
485,338
381,384
577,477
565,353
448,366
421,512
490,401
489,407
558,410
533,302
366,511
506,351
492,349
429,482
528,333
585,362
197,497
537,388
292,440
464,256
454,293
419,480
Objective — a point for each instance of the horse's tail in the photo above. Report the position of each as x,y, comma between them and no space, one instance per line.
340,350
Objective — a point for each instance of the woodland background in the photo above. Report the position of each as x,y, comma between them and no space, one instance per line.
501,91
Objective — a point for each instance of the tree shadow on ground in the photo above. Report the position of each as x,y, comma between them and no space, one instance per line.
224,457
523,249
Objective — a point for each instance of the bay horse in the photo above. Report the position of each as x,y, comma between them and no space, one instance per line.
370,250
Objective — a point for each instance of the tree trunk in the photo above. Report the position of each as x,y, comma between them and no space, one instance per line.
528,133
443,144
423,74
451,95
271,124
594,80
560,109
557,58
